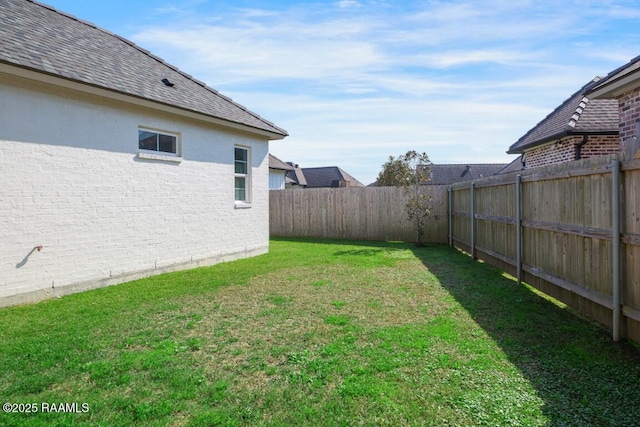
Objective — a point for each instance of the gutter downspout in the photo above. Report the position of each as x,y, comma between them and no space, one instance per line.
579,146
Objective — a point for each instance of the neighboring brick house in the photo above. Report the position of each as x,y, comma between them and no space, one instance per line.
622,86
579,128
116,165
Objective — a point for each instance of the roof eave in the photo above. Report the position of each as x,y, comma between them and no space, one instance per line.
616,87
543,141
557,136
40,76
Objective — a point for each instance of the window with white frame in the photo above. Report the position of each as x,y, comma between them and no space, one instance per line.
242,175
151,141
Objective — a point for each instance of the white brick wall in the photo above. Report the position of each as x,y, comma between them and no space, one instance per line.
71,181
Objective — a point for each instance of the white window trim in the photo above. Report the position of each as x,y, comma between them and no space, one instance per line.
243,204
145,155
161,155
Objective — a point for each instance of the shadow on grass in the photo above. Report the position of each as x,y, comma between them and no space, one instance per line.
580,374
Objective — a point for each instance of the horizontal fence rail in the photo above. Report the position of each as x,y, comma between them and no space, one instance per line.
571,231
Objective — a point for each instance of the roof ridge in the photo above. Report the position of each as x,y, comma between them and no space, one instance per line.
573,120
582,90
321,167
584,102
159,60
613,73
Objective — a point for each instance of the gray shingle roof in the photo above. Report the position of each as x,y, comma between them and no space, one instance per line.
295,175
40,38
276,163
578,115
453,173
514,166
328,176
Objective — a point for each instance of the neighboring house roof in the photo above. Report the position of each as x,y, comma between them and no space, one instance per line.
329,176
276,163
39,38
578,115
295,176
618,81
453,173
515,166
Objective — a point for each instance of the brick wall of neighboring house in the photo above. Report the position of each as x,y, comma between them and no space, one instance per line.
598,145
557,152
629,105
564,150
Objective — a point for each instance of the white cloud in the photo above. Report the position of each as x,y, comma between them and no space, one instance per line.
356,81
348,4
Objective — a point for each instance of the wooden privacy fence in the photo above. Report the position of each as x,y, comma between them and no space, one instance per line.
371,213
571,231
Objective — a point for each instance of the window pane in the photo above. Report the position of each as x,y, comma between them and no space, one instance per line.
167,143
241,154
147,140
241,168
241,192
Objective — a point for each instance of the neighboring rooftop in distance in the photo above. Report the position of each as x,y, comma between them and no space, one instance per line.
39,38
295,176
276,163
452,173
329,176
515,166
319,177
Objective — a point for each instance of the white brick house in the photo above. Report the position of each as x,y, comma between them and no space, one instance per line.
115,165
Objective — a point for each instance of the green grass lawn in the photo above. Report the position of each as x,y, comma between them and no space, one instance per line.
317,333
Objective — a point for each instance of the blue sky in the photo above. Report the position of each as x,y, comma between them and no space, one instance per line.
354,81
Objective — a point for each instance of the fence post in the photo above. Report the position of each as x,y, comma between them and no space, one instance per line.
519,228
473,220
615,231
450,217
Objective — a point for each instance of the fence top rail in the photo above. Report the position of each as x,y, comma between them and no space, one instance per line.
591,166
630,165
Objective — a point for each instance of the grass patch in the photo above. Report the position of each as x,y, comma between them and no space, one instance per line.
318,333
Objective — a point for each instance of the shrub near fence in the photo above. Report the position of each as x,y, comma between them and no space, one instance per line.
366,213
555,229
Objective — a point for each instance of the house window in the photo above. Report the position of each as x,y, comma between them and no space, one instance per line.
242,175
161,143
